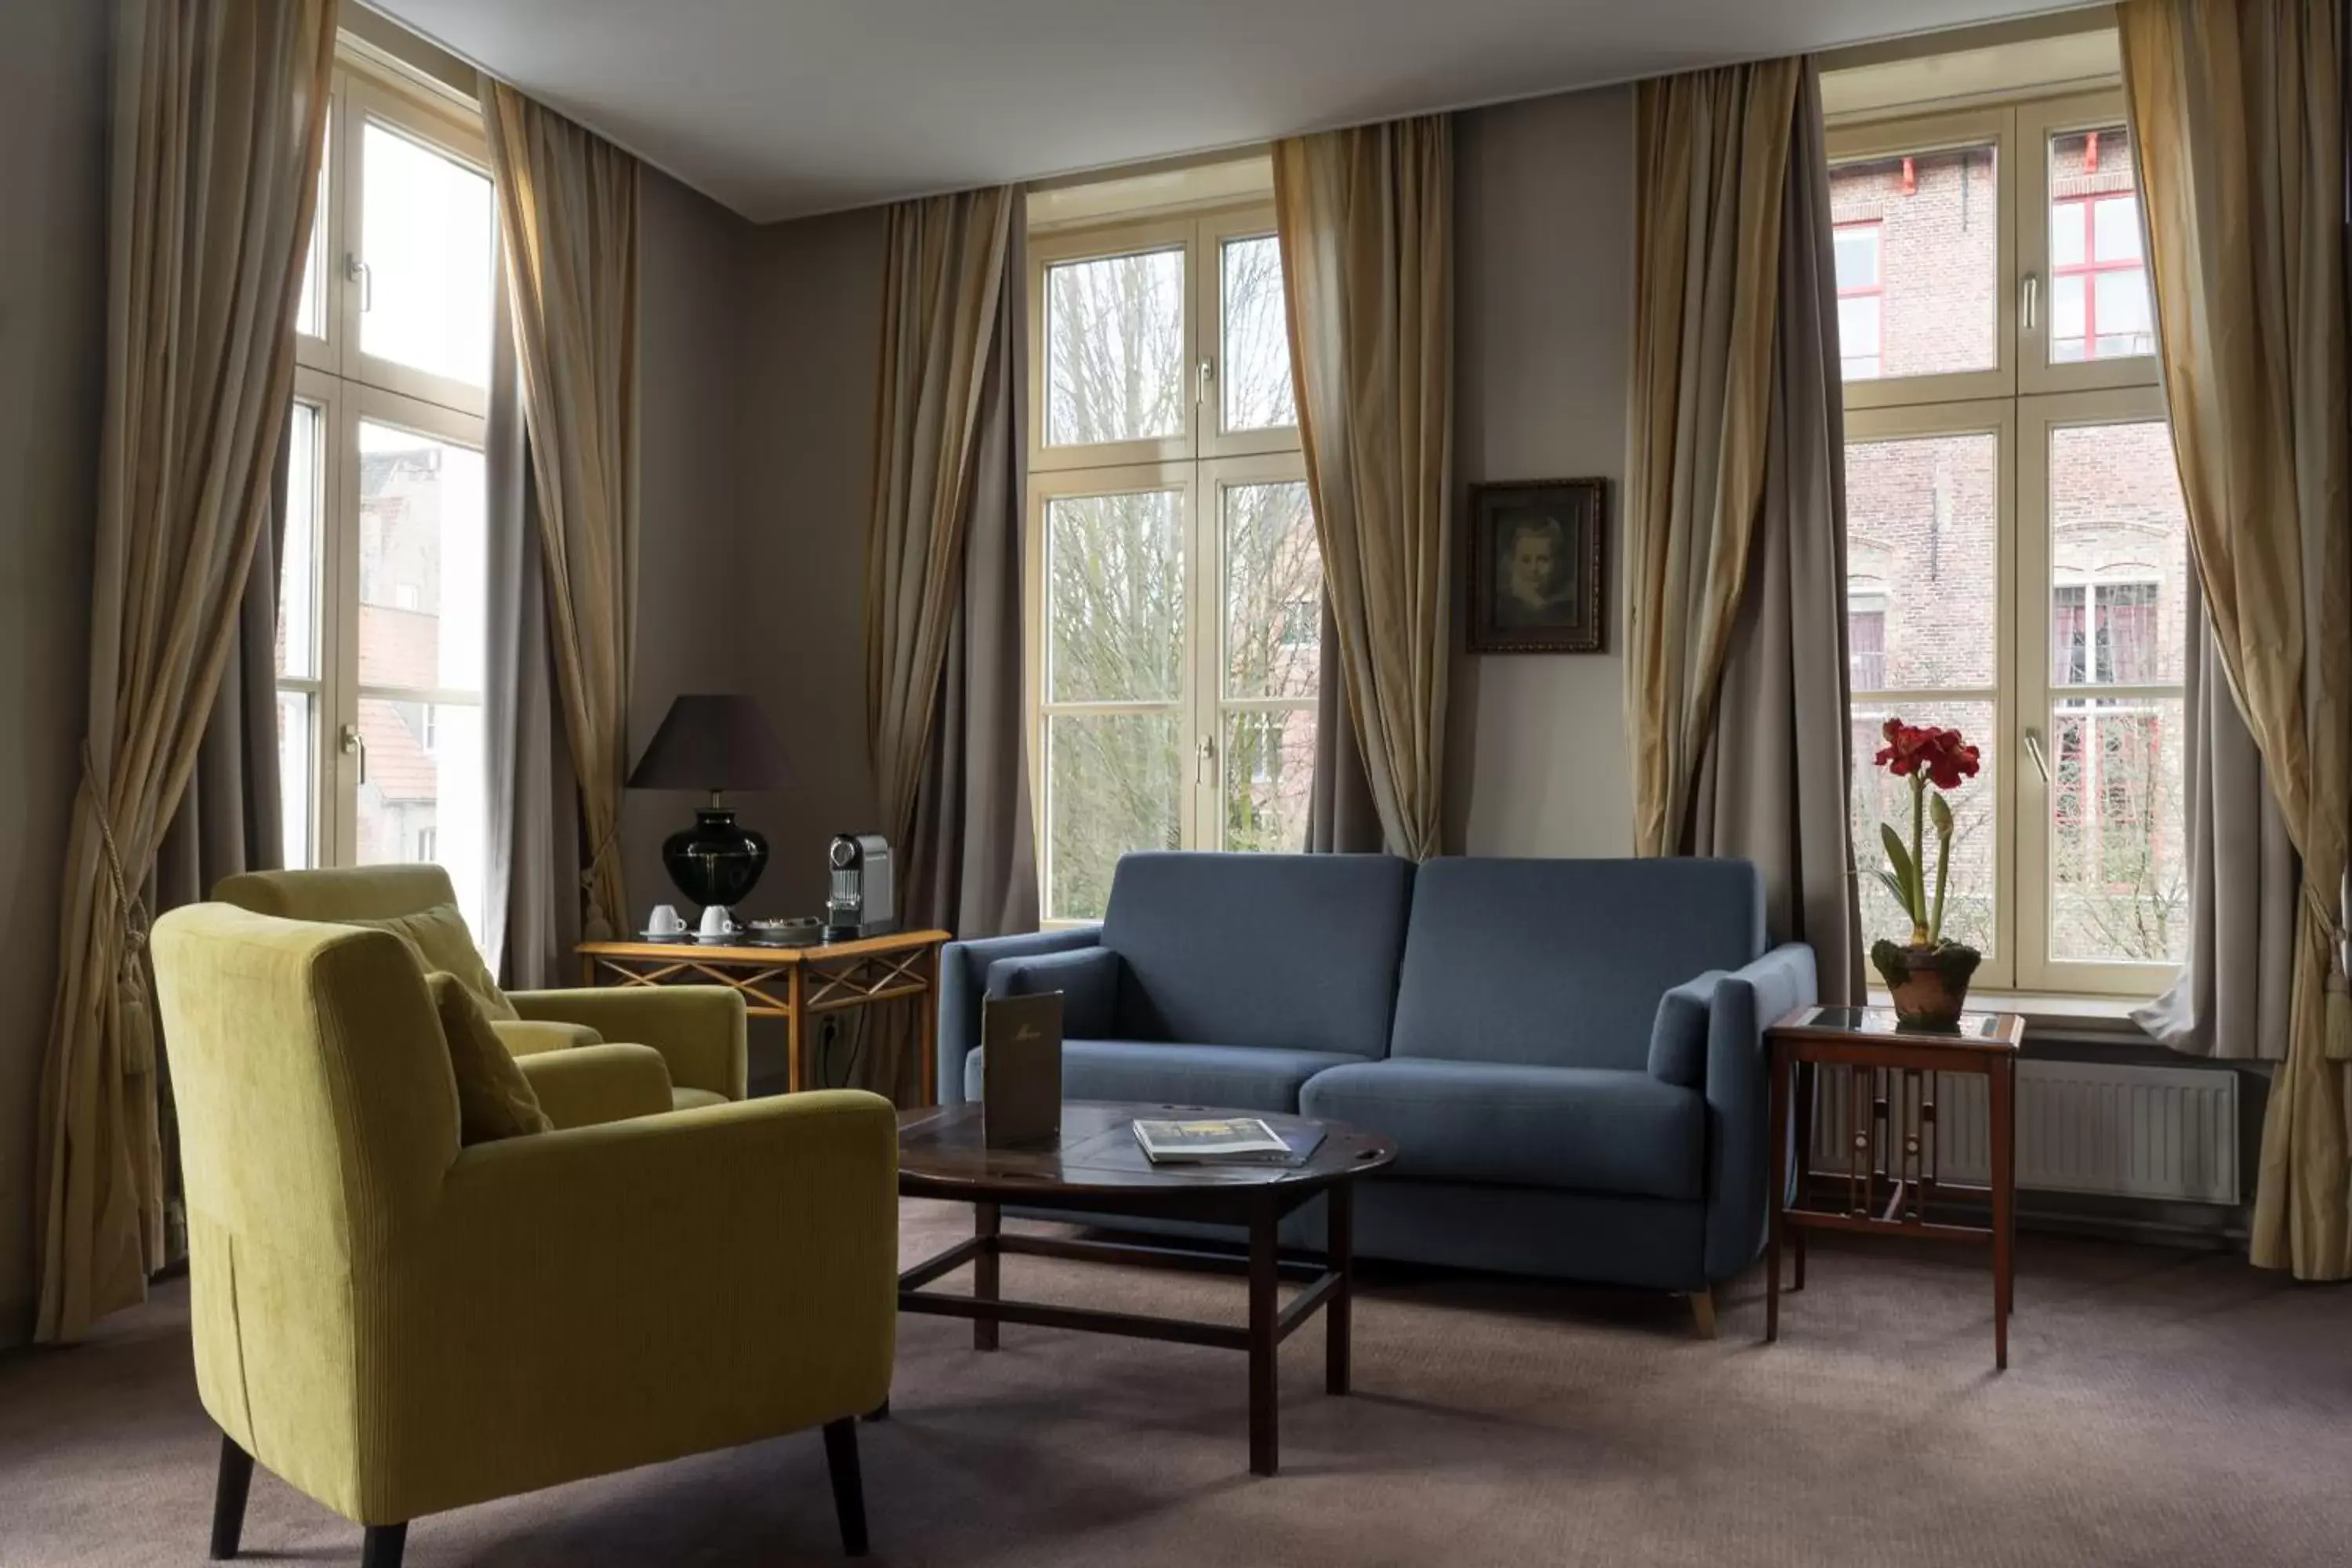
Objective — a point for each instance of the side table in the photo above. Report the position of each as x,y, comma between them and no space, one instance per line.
1893,1137
795,983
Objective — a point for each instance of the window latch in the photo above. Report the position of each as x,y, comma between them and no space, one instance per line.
1204,760
2029,301
1208,378
2041,758
355,745
359,272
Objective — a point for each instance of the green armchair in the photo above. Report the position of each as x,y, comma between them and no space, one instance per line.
397,1325
698,1031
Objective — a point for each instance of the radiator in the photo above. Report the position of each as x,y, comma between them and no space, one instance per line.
2082,1127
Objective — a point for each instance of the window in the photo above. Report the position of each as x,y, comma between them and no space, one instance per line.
2010,489
1175,593
381,629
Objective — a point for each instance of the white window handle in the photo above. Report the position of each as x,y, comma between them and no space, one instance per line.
359,272
2029,301
1205,759
355,745
2041,758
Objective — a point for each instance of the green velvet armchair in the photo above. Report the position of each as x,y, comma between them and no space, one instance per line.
396,1324
562,1040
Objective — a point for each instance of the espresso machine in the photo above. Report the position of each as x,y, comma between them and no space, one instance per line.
863,901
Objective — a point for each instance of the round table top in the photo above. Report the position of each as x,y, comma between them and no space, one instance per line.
941,1154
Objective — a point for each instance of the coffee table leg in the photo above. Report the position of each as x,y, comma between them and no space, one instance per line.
1339,1246
1264,1409
985,1222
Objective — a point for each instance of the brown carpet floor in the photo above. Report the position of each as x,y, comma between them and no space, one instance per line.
2161,1408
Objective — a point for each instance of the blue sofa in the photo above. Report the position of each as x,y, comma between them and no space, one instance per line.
1568,1053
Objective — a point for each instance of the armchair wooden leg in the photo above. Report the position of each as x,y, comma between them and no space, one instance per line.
382,1544
1702,1312
848,1489
229,1499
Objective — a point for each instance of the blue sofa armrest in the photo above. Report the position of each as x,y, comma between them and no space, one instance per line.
963,981
1087,978
1741,1005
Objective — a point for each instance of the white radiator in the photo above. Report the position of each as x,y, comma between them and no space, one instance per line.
2082,1127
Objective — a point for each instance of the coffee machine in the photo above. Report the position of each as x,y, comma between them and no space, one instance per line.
863,901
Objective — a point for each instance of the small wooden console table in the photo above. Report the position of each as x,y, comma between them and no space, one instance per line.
795,983
1893,1138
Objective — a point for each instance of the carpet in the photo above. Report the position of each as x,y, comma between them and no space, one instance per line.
2161,1407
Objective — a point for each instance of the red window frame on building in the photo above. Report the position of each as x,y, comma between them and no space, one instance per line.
2079,209
1874,289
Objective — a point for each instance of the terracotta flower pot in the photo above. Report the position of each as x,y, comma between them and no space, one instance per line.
1930,983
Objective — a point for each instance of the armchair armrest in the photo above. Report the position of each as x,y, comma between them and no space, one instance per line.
698,1029
588,1084
1741,1005
653,1287
1087,978
963,981
536,1036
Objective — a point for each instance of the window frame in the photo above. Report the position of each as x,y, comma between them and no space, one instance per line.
1875,289
2022,403
1200,467
348,387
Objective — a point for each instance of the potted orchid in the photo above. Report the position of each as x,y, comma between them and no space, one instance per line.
1928,976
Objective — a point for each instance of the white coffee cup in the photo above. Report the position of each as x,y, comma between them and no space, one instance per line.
716,921
664,921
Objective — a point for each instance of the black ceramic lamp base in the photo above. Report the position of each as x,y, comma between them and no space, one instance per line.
715,861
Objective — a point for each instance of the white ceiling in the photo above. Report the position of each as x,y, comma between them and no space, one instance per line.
781,108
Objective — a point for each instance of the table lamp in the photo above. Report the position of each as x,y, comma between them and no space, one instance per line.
714,742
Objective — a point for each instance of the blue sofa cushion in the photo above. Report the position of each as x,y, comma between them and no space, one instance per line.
1087,978
1293,951
1561,962
1678,1037
1233,1077
1586,1130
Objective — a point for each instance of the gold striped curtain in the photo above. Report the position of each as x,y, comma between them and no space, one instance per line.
943,277
1711,158
567,237
2238,110
1366,224
220,116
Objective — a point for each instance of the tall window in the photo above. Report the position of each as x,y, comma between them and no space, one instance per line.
1175,593
2016,535
382,578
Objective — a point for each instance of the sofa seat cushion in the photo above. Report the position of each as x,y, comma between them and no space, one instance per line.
1587,1129
1230,1077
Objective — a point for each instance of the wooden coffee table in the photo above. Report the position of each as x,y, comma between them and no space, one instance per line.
1097,1169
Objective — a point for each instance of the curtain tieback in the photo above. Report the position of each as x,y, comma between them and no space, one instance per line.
131,909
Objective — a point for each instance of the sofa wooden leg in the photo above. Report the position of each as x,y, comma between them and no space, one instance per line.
1702,1312
848,1489
382,1544
229,1499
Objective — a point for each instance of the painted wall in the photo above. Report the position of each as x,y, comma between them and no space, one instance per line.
1543,269
53,95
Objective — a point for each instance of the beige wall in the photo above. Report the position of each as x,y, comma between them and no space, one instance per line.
53,93
1543,258
692,625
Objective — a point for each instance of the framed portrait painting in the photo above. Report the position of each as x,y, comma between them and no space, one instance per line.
1535,579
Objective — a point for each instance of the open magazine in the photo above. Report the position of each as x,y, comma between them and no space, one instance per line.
1240,1139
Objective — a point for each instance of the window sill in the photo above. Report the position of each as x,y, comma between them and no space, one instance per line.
2046,1011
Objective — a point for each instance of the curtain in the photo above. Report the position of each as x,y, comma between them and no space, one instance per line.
1343,818
219,117
531,921
943,290
2238,111
1711,157
568,235
1366,224
971,856
1777,762
2233,996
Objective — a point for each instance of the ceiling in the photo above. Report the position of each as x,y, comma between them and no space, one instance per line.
783,108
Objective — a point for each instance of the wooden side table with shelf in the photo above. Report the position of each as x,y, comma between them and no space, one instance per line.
795,983
1892,1139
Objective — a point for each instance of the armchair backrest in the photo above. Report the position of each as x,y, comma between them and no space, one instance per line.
318,1119
1562,962
339,893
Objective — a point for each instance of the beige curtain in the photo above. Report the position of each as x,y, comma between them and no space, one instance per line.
1366,220
568,234
1773,778
219,119
2238,112
1711,159
943,279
